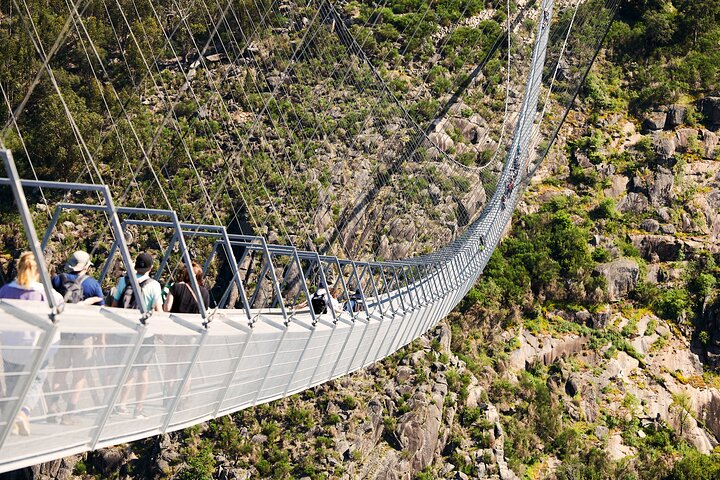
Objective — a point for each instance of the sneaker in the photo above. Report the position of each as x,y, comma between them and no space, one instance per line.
22,422
121,410
140,413
53,415
70,420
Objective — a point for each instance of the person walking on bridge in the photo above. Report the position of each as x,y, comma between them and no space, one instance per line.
150,289
124,297
18,347
181,298
76,349
75,285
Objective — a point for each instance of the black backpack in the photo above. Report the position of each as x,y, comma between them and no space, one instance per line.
72,290
359,305
319,304
129,299
355,304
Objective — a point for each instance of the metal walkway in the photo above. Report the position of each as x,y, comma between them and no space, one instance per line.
192,368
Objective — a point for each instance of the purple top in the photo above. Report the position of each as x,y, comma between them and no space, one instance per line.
14,291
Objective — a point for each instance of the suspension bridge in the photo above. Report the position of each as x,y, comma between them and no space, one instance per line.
257,343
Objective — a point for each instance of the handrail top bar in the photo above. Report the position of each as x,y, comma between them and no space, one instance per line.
80,206
188,228
217,230
192,228
88,187
308,255
125,210
253,242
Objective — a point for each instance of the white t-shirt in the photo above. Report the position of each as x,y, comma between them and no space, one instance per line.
336,305
151,292
330,300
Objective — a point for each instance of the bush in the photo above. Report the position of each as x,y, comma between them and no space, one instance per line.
264,467
199,464
696,466
600,255
348,403
300,418
605,209
333,419
672,304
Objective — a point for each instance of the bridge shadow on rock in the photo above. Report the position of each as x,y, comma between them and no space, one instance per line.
239,224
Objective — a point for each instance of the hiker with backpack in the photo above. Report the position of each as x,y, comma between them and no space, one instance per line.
150,289
125,297
320,300
355,304
76,286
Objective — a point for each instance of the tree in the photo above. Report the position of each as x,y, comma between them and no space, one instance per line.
698,16
681,407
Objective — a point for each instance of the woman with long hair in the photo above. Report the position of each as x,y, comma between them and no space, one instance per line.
181,298
27,285
22,344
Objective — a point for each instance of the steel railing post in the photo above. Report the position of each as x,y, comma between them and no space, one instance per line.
128,360
166,257
124,252
210,257
108,263
276,284
399,289
323,279
189,265
179,392
30,233
407,287
51,226
304,287
235,267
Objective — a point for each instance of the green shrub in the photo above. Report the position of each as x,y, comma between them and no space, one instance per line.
671,304
348,403
199,463
605,209
80,468
333,419
600,255
696,466
263,467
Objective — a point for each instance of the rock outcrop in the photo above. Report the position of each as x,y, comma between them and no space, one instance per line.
710,107
622,276
661,247
675,116
654,121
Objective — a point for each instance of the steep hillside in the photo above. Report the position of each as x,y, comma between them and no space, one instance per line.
589,348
